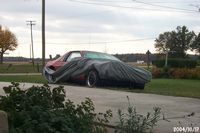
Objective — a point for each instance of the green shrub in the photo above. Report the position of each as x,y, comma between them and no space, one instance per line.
176,63
198,62
132,122
178,73
43,110
40,109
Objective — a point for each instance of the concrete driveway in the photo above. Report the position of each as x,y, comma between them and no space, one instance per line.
174,108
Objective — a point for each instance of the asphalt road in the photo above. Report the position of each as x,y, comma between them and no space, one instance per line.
174,108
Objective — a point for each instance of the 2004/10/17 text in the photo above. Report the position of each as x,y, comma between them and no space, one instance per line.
186,129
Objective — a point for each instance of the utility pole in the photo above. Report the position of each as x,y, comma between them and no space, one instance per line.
166,58
43,33
30,53
148,58
31,23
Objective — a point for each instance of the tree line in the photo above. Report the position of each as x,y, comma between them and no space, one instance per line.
178,42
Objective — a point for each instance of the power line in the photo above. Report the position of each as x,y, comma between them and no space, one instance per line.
168,7
87,14
197,6
128,7
103,42
109,1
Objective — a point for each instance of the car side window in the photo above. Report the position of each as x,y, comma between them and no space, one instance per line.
73,55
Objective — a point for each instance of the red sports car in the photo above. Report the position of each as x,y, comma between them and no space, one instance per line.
66,58
93,67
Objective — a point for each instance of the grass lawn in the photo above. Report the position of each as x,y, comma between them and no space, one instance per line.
19,68
172,87
24,78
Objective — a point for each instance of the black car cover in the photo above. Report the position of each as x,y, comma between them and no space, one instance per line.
106,69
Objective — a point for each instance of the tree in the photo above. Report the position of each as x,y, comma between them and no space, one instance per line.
176,43
8,41
196,44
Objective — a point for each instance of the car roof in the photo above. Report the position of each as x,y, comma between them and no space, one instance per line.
84,51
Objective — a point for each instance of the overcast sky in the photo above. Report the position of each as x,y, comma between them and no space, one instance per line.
112,26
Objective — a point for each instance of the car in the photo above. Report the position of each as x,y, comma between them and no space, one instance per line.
93,68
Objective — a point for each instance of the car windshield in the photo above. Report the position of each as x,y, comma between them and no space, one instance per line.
95,55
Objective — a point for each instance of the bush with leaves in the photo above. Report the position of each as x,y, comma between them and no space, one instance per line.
41,109
176,73
175,63
198,62
133,122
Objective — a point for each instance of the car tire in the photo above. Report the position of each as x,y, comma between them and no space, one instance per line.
92,79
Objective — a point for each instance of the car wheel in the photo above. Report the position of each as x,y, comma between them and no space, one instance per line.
92,79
